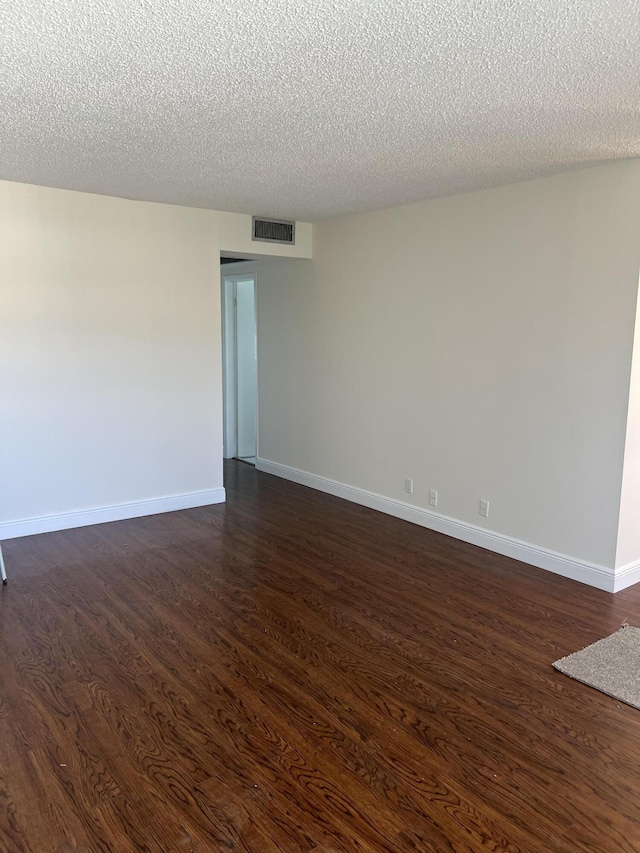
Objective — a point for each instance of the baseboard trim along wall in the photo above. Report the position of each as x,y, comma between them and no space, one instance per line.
569,567
117,512
626,576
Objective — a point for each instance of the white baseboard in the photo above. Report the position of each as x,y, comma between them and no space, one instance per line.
627,576
569,567
117,512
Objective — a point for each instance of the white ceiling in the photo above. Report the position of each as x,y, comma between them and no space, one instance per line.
314,108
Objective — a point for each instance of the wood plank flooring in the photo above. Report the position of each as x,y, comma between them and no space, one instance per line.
291,672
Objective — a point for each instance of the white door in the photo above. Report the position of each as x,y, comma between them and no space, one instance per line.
246,368
240,366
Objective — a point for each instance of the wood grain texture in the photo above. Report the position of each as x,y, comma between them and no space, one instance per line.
291,672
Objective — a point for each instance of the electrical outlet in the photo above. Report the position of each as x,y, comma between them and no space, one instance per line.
433,498
408,486
484,509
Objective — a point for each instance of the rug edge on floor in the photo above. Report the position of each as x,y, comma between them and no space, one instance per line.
572,665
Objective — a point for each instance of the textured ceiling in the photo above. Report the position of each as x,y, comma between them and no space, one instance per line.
313,108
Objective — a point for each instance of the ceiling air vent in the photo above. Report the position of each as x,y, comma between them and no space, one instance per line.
273,230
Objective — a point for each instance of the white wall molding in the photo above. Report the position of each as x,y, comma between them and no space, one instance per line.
626,576
561,564
117,512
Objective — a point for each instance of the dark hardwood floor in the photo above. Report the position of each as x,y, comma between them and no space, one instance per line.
291,672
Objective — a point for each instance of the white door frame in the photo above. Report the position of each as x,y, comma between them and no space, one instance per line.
229,365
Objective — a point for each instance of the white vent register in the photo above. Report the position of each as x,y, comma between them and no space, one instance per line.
273,230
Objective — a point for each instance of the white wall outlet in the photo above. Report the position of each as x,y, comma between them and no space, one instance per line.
433,498
484,509
408,486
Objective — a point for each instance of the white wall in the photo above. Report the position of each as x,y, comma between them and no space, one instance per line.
110,378
110,355
480,345
628,551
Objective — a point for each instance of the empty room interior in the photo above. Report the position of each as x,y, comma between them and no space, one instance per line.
319,426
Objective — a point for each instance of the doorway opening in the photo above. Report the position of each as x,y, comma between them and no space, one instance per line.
240,367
